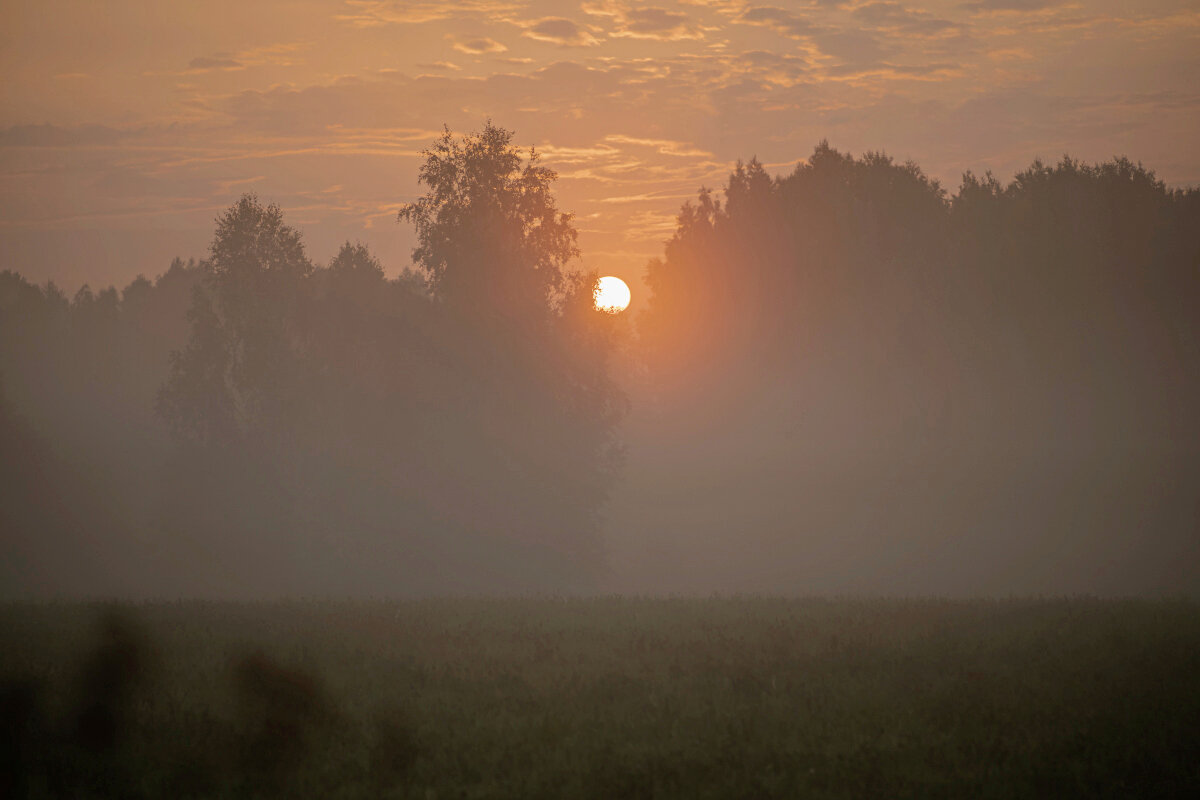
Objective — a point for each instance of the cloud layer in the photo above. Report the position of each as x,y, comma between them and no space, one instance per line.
137,128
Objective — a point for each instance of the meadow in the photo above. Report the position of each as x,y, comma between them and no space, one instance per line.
605,697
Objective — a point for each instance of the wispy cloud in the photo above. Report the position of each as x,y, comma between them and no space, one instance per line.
560,31
278,54
477,46
226,187
644,22
46,135
373,13
667,147
206,63
893,16
1011,5
635,104
780,20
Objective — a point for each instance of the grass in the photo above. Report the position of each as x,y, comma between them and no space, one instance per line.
605,698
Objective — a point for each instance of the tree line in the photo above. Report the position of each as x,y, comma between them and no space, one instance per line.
894,388
1062,305
255,422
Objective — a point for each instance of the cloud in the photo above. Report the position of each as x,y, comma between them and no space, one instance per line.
654,226
60,136
398,100
893,16
1010,5
373,13
851,45
645,22
895,72
560,31
560,154
227,187
780,20
478,46
658,23
206,64
1010,54
631,124
855,43
667,147
771,67
280,54
646,197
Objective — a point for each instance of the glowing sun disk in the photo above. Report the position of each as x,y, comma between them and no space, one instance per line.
612,294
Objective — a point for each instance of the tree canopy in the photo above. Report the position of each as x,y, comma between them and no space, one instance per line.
468,406
846,358
490,236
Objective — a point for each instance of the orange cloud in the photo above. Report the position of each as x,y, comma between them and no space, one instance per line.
477,46
631,123
372,13
667,147
560,31
645,22
205,64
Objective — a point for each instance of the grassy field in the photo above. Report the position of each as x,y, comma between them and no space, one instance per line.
604,698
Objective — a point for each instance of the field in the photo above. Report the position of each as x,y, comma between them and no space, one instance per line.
605,698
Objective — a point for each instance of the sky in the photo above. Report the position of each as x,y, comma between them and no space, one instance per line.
127,127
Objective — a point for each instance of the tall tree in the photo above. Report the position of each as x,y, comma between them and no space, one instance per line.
490,236
536,413
243,369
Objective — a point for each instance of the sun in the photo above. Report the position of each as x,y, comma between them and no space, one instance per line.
612,294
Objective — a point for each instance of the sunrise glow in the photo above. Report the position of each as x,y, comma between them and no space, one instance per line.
612,294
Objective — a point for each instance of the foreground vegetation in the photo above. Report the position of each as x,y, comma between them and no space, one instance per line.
606,697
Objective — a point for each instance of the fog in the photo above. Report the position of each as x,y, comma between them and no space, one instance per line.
846,380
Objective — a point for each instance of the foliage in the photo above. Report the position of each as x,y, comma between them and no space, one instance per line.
863,277
462,416
489,232
243,369
908,380
494,249
866,362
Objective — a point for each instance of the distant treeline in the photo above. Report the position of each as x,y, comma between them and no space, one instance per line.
255,423
1064,306
990,391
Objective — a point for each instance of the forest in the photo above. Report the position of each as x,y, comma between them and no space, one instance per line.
848,368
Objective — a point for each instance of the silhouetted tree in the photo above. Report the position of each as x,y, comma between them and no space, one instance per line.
197,400
534,410
464,414
491,239
256,276
884,361
986,354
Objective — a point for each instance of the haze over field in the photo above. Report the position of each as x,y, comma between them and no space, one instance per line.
375,366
